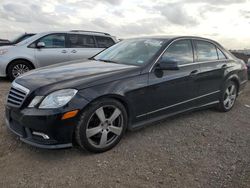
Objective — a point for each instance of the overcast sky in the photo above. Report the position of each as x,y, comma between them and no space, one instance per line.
227,21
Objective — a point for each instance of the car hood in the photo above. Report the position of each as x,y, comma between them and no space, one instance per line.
6,46
77,75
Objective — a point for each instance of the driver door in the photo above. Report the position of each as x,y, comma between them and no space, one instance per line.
172,91
54,51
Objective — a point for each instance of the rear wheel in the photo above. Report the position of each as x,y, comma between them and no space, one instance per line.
228,96
102,125
18,68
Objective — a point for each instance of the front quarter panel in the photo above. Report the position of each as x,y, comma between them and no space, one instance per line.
23,52
15,53
130,91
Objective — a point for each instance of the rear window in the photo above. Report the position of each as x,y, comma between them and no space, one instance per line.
104,42
206,51
81,41
221,54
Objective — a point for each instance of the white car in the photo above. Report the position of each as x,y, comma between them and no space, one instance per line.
248,68
49,48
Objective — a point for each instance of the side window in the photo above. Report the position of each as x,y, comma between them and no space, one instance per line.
180,51
206,51
104,42
81,41
220,54
54,41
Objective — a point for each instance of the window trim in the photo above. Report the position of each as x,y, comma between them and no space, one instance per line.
221,52
37,40
195,61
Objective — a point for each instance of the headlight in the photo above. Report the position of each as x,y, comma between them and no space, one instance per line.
58,98
35,101
3,51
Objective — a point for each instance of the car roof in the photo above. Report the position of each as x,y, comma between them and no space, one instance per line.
29,33
173,37
96,33
42,34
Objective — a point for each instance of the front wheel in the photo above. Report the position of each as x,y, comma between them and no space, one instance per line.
228,97
101,125
18,68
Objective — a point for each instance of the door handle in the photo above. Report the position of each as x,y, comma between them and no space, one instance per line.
73,51
224,66
64,51
193,73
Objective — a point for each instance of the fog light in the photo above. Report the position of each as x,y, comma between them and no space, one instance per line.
45,136
70,114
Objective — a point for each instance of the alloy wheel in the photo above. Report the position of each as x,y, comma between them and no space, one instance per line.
104,126
230,97
19,69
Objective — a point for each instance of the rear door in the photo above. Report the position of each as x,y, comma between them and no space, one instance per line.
212,65
82,46
54,52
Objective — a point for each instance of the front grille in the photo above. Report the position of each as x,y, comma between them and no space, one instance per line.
17,95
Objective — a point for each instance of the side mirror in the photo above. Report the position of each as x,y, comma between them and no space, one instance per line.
168,64
40,45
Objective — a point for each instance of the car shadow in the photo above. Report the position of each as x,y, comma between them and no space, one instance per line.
77,152
6,80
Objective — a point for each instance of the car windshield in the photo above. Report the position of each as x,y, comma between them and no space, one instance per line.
20,38
16,38
29,39
132,51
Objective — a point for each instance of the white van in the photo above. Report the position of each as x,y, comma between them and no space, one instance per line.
49,48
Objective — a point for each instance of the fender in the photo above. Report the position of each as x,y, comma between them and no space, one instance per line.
121,91
23,59
232,77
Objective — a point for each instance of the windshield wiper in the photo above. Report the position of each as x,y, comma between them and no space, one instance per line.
91,58
106,60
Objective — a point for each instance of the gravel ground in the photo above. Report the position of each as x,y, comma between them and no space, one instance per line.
200,149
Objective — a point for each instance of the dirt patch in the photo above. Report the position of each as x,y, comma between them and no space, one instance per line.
200,149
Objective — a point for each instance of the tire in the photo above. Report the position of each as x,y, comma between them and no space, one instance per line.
228,96
101,125
17,68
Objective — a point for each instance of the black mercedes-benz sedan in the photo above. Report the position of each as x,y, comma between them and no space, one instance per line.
133,83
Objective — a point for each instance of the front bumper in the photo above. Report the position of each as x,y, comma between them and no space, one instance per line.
29,139
25,123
